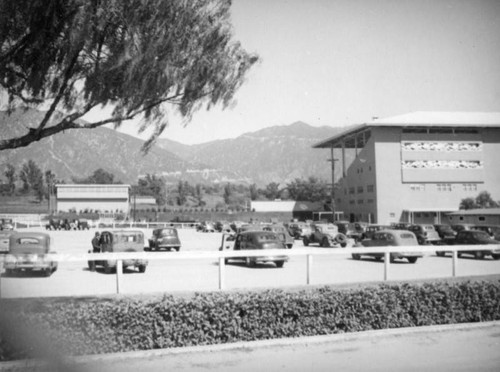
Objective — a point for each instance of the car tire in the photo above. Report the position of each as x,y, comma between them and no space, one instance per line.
479,255
249,262
177,249
440,254
107,268
279,263
324,242
47,272
226,261
92,266
356,256
378,259
142,268
412,260
305,241
289,246
495,256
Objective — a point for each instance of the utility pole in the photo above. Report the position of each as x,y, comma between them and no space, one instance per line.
332,193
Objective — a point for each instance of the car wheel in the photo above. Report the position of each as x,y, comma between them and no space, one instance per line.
392,259
9,272
279,263
378,258
325,243
226,261
412,259
356,256
91,265
420,241
142,268
440,254
107,268
495,256
289,246
305,241
249,262
479,255
47,272
177,249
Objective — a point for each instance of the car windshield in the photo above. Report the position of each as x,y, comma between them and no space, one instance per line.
128,238
266,237
429,227
406,236
28,241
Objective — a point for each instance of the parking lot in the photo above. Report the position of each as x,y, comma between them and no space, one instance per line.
75,279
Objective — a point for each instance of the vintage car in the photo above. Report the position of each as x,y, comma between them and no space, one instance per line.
256,240
299,229
120,241
326,235
446,233
400,225
4,240
372,229
462,226
426,234
206,226
165,238
349,229
6,224
492,230
30,251
223,226
476,237
282,233
390,238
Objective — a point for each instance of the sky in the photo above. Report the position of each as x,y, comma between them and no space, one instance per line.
343,62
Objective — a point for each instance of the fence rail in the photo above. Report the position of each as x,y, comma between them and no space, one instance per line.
112,225
222,255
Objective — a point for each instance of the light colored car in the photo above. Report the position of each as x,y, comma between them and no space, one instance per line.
30,251
4,240
326,235
477,237
164,238
120,241
390,238
256,240
426,234
299,229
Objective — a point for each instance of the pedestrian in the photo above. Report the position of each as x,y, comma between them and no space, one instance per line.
96,243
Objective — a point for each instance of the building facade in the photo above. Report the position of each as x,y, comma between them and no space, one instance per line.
415,167
103,198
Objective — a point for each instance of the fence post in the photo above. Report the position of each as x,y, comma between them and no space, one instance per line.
119,273
222,273
309,268
387,262
454,260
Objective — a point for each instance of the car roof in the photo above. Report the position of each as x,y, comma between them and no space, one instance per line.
33,234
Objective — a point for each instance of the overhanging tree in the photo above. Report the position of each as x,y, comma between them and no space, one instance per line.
146,59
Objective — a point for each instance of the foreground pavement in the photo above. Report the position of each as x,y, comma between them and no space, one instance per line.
463,347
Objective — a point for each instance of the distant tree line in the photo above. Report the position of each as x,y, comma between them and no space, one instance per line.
482,200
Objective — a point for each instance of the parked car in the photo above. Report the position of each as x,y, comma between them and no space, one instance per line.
299,229
390,238
348,229
492,230
165,238
372,229
4,240
6,224
326,235
30,251
223,226
256,240
446,233
206,226
400,225
426,234
83,224
53,224
282,233
120,241
476,237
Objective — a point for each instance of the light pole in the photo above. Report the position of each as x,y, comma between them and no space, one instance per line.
332,160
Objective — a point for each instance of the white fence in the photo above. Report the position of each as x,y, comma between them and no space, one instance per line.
111,225
221,255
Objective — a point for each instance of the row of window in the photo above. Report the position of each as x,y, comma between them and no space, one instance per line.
443,187
360,201
359,189
437,130
92,189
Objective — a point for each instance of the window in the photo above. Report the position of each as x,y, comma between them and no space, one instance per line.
469,186
360,189
360,201
417,187
370,188
351,190
392,215
482,218
351,201
444,187
370,201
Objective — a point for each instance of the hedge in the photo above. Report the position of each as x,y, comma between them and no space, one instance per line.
82,326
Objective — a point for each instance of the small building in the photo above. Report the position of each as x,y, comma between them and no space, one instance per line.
300,210
480,216
104,198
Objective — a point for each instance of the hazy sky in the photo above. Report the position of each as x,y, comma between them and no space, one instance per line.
341,62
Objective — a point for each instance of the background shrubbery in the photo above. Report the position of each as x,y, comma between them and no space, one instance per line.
77,326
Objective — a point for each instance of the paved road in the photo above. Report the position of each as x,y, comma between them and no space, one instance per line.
471,347
74,278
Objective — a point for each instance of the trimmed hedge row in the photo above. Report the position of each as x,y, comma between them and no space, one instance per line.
76,326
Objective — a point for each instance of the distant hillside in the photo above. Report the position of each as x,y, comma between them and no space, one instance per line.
275,154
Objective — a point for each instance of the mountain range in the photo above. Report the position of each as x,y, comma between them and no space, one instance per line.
274,154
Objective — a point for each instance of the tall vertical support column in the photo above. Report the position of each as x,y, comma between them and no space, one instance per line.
332,197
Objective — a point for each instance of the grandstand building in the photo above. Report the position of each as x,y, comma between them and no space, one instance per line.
104,198
415,167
